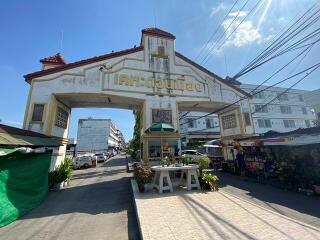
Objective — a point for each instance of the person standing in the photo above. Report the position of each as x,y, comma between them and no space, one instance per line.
241,163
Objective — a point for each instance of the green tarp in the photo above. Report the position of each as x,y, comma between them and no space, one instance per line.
23,183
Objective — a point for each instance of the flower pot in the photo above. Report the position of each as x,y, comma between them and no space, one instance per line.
147,187
58,186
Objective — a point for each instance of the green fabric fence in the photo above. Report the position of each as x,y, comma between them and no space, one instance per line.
23,183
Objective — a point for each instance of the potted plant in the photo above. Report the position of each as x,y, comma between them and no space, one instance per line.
210,182
143,175
184,159
60,177
203,163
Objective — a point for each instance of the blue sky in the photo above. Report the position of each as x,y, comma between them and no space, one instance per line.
31,30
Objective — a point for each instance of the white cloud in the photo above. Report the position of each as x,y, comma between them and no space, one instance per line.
246,33
239,13
217,9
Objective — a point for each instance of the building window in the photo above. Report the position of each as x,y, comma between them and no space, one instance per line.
264,123
261,108
258,95
286,109
307,123
161,51
304,110
229,121
37,115
282,97
191,123
289,123
154,148
300,98
247,119
161,116
209,123
62,118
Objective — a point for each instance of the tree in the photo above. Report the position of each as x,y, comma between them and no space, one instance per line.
134,144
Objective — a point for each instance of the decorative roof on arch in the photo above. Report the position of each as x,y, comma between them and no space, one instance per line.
148,31
55,59
158,32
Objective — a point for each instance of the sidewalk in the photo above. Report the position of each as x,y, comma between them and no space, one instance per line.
214,215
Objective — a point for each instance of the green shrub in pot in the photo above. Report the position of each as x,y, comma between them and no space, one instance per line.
210,182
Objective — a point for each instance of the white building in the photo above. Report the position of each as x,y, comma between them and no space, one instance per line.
193,130
287,112
313,99
96,135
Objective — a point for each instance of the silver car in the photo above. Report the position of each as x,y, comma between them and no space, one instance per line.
192,155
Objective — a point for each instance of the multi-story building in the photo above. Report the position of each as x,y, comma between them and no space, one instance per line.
193,130
96,135
285,112
313,99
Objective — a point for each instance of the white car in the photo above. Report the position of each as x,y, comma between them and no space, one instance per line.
192,155
82,161
100,157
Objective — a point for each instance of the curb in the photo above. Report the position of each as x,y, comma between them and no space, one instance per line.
135,191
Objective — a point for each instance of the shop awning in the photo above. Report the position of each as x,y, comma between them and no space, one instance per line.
16,137
19,140
160,127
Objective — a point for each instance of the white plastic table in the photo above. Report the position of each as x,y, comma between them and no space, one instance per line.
163,172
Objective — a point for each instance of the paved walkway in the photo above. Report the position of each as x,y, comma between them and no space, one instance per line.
214,215
97,205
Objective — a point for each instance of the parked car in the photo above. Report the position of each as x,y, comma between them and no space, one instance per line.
192,155
100,157
82,161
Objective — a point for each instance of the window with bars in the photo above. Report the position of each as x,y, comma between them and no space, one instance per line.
259,95
62,118
282,97
289,123
261,108
264,123
37,113
229,121
247,119
304,110
161,51
191,123
307,123
286,109
209,123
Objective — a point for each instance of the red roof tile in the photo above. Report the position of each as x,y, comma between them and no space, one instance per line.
41,73
55,59
157,32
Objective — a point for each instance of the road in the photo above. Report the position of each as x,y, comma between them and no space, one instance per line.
97,205
291,204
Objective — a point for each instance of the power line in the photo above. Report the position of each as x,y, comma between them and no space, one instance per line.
250,12
296,57
226,29
214,33
268,87
283,39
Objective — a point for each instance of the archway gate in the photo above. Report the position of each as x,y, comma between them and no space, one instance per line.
152,77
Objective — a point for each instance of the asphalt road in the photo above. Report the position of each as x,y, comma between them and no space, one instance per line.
97,205
294,205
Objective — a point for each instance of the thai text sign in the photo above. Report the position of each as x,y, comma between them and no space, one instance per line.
151,82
